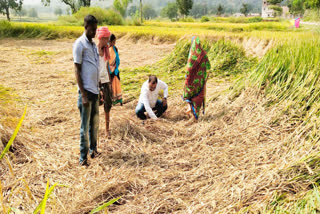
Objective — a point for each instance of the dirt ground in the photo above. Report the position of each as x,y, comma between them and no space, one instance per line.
228,160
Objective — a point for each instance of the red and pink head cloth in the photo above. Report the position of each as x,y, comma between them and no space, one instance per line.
103,32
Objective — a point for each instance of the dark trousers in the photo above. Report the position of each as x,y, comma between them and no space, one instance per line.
159,108
89,125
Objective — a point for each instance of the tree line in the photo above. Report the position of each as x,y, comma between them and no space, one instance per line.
172,10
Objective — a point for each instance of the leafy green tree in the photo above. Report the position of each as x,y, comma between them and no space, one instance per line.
164,12
220,10
121,6
245,9
132,10
141,19
314,4
184,6
275,6
58,11
149,12
6,5
274,2
296,7
75,5
33,13
277,10
170,11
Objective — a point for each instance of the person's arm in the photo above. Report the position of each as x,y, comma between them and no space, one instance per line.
77,58
146,104
164,87
85,101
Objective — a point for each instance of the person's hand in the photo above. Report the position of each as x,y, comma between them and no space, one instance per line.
153,120
101,96
101,100
164,101
85,101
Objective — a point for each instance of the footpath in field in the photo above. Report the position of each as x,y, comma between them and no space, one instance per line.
226,161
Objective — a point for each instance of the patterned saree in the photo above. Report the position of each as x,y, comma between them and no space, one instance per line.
114,63
195,85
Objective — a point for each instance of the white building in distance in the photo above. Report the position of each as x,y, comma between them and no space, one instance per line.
266,11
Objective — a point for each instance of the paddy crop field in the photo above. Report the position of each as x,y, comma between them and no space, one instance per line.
255,150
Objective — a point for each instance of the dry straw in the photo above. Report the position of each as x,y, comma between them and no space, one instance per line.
234,157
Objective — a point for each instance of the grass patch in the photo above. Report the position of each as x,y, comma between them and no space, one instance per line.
289,76
229,27
42,56
162,31
309,202
104,17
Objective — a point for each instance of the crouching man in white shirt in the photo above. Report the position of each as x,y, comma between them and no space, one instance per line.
148,101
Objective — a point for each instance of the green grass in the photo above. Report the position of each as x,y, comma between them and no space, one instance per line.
162,31
289,76
307,203
290,72
240,19
6,149
231,27
104,206
312,16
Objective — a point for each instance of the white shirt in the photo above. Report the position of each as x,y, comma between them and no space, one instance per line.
104,76
149,98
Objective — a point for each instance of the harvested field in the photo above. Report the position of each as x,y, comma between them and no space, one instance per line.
227,161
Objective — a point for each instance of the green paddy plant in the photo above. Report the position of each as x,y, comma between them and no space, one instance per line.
307,203
104,206
42,205
290,72
6,149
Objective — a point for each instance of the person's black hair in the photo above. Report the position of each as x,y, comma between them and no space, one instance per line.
153,79
90,20
112,37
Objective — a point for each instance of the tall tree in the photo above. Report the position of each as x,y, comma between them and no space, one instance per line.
314,4
245,9
141,18
6,5
275,6
121,6
170,11
75,5
149,12
277,10
220,10
132,10
184,6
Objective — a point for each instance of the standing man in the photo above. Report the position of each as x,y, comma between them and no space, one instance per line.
148,101
86,62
